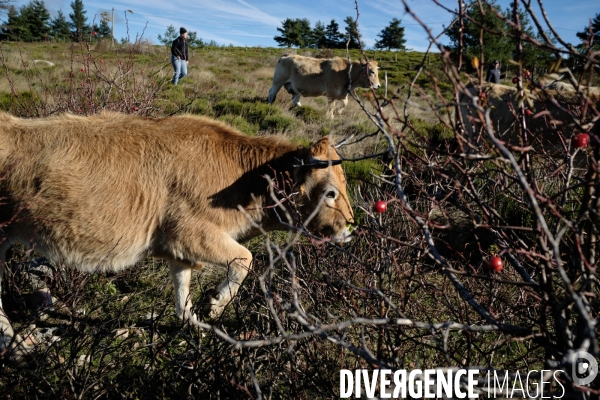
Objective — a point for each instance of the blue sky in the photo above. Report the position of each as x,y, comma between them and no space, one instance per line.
255,23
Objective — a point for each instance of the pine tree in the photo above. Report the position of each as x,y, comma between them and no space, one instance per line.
584,35
318,39
333,38
392,36
16,28
103,31
532,56
37,18
194,40
59,27
78,24
499,38
353,34
294,32
170,35
495,46
288,36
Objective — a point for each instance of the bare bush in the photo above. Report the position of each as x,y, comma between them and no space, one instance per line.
89,78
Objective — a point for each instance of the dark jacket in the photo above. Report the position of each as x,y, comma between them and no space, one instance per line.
179,48
493,75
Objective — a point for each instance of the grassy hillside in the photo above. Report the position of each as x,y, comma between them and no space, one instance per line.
223,82
412,290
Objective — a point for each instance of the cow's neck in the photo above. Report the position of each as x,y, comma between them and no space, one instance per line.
276,163
355,73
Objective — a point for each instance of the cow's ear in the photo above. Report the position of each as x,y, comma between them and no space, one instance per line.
317,157
322,149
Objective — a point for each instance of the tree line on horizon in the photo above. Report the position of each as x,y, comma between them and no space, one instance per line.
32,22
482,21
298,33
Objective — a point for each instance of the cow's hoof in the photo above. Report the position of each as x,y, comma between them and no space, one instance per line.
12,345
216,311
212,304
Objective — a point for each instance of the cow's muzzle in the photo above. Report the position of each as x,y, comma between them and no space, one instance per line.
343,237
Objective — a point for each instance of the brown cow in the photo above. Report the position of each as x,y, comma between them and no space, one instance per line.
311,77
101,193
503,102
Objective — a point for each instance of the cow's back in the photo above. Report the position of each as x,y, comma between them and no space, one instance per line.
86,191
314,77
504,104
101,191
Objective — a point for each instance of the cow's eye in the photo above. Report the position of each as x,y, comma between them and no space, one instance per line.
330,194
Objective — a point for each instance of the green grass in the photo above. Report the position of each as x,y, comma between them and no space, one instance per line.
362,170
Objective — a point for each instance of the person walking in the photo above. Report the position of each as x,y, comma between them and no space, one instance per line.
493,74
179,55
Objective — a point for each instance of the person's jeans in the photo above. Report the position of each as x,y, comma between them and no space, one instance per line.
180,67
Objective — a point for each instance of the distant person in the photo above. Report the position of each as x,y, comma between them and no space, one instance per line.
179,55
493,74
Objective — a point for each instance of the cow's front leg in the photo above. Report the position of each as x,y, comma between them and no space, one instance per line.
218,249
13,343
237,270
330,108
9,341
181,274
296,99
344,104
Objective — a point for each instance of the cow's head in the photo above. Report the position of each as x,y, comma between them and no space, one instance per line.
323,188
369,75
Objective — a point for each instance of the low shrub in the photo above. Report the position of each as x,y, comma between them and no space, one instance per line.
229,107
240,123
278,123
308,114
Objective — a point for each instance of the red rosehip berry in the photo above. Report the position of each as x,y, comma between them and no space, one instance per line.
380,206
582,140
495,264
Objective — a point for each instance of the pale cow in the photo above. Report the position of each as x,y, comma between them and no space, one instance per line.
311,77
504,104
101,193
553,82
